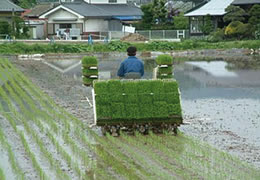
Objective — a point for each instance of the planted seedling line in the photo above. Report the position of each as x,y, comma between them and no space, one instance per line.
41,128
224,164
194,161
152,146
224,159
32,102
68,140
153,171
17,170
130,166
104,156
36,138
169,151
45,152
2,175
172,169
73,147
134,165
27,149
32,156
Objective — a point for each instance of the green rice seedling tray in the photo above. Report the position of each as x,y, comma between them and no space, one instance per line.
89,70
136,101
164,59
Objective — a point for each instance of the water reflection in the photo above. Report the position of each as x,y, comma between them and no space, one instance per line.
197,79
216,80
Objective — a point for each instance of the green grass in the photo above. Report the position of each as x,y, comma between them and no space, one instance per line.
22,48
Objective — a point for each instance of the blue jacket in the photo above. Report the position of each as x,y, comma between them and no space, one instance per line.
131,64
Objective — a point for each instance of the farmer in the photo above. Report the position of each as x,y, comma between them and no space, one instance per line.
131,67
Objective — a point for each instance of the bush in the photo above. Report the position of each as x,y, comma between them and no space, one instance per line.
118,46
237,29
216,36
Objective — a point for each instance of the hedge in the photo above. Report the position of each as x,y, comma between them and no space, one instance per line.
138,100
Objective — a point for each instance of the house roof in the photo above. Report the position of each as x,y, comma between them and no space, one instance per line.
101,10
7,6
40,9
242,2
213,8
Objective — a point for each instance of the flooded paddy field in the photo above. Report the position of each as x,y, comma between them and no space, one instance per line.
220,106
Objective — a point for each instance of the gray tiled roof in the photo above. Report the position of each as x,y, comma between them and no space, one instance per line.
241,2
103,10
40,9
7,6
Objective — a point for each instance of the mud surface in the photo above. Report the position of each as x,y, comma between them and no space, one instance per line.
220,104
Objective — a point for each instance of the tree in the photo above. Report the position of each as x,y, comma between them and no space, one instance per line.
181,22
25,3
239,30
234,13
208,27
5,27
159,11
254,13
148,14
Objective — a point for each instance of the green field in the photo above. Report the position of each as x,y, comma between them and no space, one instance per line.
119,46
57,145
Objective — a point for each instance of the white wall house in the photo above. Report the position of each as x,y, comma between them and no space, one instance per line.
89,16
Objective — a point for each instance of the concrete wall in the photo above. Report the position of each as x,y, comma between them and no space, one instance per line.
95,25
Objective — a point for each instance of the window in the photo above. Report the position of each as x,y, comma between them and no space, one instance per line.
65,26
195,24
112,1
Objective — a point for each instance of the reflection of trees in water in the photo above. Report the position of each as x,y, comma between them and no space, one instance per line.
244,65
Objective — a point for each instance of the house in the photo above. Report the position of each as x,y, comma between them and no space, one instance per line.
214,8
83,17
37,26
8,10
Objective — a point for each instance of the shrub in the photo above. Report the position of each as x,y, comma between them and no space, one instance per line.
239,30
118,46
217,35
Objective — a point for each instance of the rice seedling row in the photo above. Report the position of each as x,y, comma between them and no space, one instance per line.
66,155
2,175
171,168
15,167
25,143
40,143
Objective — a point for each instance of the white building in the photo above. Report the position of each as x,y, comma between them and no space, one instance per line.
89,16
